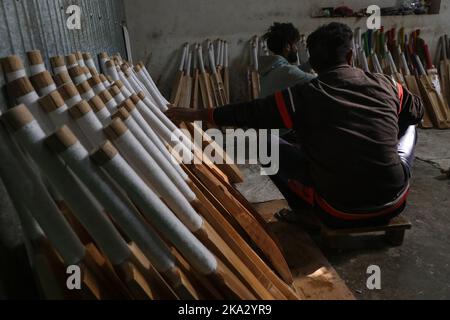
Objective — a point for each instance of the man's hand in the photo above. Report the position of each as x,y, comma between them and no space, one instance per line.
178,115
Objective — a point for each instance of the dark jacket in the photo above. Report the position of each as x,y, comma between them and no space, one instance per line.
347,123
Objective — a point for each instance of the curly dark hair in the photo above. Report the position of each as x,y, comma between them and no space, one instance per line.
280,35
329,45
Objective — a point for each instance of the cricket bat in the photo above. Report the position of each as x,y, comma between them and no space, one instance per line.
226,72
397,76
177,86
196,81
433,100
412,85
216,81
204,82
186,91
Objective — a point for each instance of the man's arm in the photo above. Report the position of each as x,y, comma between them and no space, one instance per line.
411,109
274,112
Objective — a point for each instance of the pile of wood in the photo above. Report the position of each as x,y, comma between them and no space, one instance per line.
407,59
86,160
202,80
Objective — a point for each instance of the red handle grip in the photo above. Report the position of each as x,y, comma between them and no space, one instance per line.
429,60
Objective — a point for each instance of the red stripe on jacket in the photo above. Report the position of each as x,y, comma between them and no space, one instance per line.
285,116
400,96
310,196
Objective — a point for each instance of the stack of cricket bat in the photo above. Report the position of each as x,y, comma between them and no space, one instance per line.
407,59
202,80
90,162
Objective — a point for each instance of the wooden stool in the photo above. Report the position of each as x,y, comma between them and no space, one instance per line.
394,232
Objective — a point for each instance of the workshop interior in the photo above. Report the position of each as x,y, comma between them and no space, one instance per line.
251,150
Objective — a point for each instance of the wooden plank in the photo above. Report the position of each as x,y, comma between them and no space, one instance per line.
394,233
206,91
161,289
109,284
196,90
226,83
135,282
221,249
264,274
394,224
314,277
205,289
256,85
177,88
246,220
227,167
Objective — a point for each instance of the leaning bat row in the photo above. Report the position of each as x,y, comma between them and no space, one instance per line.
202,80
87,161
407,59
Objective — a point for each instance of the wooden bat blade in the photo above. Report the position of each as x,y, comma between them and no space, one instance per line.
226,83
434,103
205,89
176,89
195,91
412,85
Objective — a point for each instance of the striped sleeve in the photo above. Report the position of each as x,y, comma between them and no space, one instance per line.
411,109
285,104
274,112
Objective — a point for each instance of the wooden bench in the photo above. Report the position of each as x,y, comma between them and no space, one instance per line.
394,232
314,276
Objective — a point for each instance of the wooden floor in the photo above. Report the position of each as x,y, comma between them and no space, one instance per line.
315,278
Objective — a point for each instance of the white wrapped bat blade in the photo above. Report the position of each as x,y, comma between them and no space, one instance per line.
24,185
155,210
152,149
31,136
151,134
64,143
58,113
145,165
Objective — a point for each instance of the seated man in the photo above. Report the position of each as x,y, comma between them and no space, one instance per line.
278,71
356,135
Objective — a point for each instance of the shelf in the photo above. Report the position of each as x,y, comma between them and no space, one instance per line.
389,15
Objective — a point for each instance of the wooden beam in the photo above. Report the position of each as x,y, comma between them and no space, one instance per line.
227,165
246,220
237,243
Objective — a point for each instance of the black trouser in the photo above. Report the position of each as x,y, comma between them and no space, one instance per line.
295,167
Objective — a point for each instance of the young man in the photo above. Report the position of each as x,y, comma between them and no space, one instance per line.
278,71
356,133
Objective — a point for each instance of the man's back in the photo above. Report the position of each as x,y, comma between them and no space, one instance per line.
348,126
356,132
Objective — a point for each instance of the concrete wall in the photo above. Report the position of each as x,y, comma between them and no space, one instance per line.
41,25
158,28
